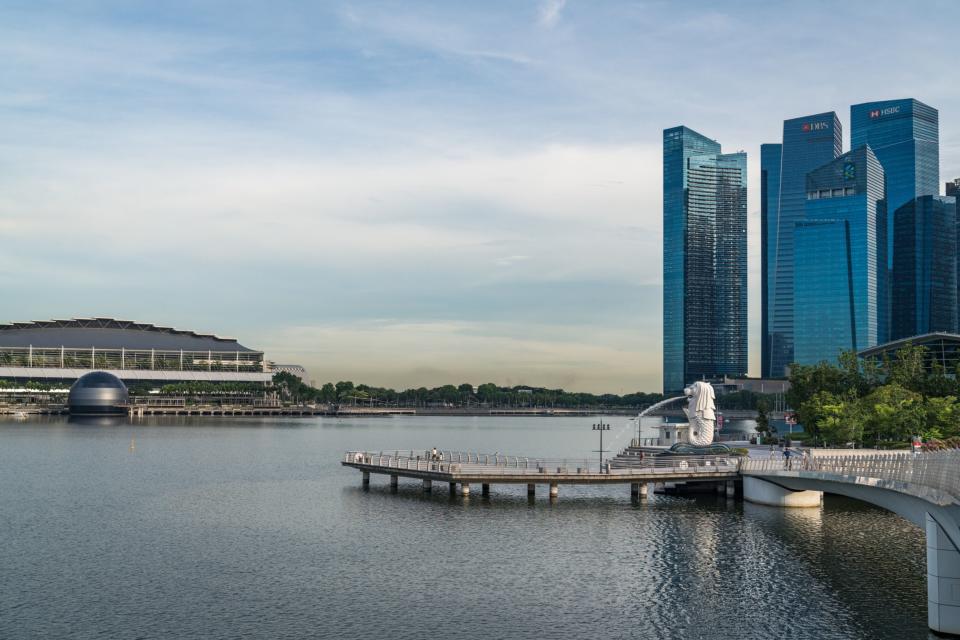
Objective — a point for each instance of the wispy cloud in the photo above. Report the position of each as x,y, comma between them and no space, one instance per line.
549,12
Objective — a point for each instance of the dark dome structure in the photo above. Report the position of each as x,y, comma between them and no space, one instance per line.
98,392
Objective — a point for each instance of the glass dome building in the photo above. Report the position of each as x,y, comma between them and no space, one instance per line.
99,393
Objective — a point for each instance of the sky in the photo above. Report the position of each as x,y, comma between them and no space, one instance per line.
409,193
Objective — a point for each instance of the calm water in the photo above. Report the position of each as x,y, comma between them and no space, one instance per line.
252,529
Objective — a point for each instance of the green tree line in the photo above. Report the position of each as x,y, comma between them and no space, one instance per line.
488,394
877,402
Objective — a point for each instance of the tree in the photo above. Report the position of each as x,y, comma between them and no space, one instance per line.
763,420
328,393
836,419
344,389
893,413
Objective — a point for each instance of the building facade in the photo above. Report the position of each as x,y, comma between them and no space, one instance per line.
904,135
770,158
925,267
64,350
704,259
838,259
809,142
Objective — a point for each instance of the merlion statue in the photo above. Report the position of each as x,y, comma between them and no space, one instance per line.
701,413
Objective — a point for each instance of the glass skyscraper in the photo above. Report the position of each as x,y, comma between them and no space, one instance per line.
838,266
904,135
925,267
808,142
704,259
770,157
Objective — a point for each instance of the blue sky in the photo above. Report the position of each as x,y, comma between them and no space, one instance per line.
409,193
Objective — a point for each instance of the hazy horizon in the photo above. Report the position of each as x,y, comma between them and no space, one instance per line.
409,194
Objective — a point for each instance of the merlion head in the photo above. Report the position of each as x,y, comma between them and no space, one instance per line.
701,395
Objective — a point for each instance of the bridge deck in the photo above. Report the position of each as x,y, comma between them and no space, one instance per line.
490,469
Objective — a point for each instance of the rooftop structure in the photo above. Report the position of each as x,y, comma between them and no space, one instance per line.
66,349
942,347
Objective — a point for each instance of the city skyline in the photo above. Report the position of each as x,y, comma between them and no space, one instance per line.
451,194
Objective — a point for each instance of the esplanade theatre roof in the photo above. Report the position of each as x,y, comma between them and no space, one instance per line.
108,333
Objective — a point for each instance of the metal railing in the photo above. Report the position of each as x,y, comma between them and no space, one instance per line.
497,464
938,470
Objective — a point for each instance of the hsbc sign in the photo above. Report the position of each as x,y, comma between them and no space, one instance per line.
888,111
815,126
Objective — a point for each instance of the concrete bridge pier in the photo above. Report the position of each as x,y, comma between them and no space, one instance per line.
465,489
554,490
531,490
394,481
731,489
638,490
943,580
453,488
428,485
485,489
366,479
762,491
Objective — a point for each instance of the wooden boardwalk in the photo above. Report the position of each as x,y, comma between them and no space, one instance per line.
465,469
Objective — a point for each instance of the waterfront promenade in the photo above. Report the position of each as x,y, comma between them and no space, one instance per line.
467,468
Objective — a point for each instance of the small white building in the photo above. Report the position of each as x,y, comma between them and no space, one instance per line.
673,432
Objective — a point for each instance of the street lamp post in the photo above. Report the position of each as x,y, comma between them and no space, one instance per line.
601,427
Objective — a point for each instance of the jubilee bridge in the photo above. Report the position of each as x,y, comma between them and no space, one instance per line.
923,488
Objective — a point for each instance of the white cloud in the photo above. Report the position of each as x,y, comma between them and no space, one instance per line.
549,13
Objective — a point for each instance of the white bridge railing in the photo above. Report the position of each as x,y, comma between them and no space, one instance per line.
498,464
938,469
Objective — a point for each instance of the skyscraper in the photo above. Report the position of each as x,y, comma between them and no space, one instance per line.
808,142
704,259
904,135
837,264
770,157
925,267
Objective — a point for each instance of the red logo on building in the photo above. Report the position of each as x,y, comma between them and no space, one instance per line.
875,113
806,126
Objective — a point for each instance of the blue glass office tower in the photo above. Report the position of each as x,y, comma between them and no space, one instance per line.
904,135
838,266
808,142
925,267
704,259
770,157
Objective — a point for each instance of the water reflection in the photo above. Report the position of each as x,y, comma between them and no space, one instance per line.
98,421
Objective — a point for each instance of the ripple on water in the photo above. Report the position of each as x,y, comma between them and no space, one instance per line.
249,531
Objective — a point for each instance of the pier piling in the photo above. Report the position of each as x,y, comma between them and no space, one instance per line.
427,485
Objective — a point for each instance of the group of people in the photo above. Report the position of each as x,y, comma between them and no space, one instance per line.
436,456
